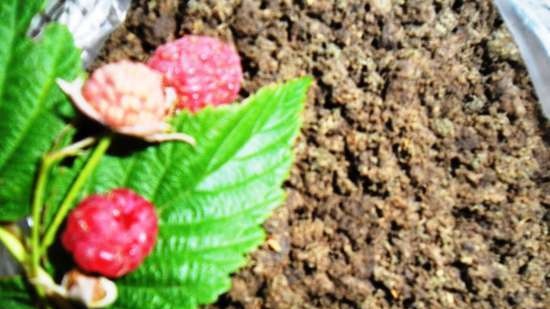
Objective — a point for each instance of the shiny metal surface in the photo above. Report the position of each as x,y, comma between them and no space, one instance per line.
90,21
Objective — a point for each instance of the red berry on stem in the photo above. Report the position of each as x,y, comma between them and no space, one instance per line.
111,234
203,70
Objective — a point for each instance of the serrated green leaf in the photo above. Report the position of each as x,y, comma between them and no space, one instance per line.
30,101
14,294
211,198
15,16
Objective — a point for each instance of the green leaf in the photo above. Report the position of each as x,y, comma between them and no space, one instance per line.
14,294
15,16
211,198
30,101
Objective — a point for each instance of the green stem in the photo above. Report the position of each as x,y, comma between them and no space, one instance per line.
42,281
14,246
71,150
17,250
86,172
37,204
38,199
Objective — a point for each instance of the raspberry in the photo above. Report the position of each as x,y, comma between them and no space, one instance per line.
111,234
126,94
203,70
128,97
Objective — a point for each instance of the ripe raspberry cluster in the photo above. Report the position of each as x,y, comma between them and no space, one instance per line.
111,234
202,70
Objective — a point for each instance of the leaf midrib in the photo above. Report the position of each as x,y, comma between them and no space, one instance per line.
189,189
201,177
220,218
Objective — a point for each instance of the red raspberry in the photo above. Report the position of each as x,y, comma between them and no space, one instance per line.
203,70
111,234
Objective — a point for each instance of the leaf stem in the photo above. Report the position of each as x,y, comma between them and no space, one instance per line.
42,281
86,172
71,150
17,250
38,199
37,204
14,246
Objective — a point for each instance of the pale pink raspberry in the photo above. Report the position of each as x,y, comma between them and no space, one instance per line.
130,98
111,234
203,70
126,94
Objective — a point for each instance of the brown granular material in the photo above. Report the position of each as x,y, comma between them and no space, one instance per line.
422,176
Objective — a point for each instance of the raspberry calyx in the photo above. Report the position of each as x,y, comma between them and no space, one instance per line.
111,234
92,291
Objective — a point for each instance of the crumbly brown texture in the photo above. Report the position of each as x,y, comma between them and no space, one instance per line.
422,175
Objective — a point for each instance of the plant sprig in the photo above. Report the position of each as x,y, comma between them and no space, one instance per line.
210,198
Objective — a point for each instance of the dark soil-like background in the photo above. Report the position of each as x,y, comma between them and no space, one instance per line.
422,177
